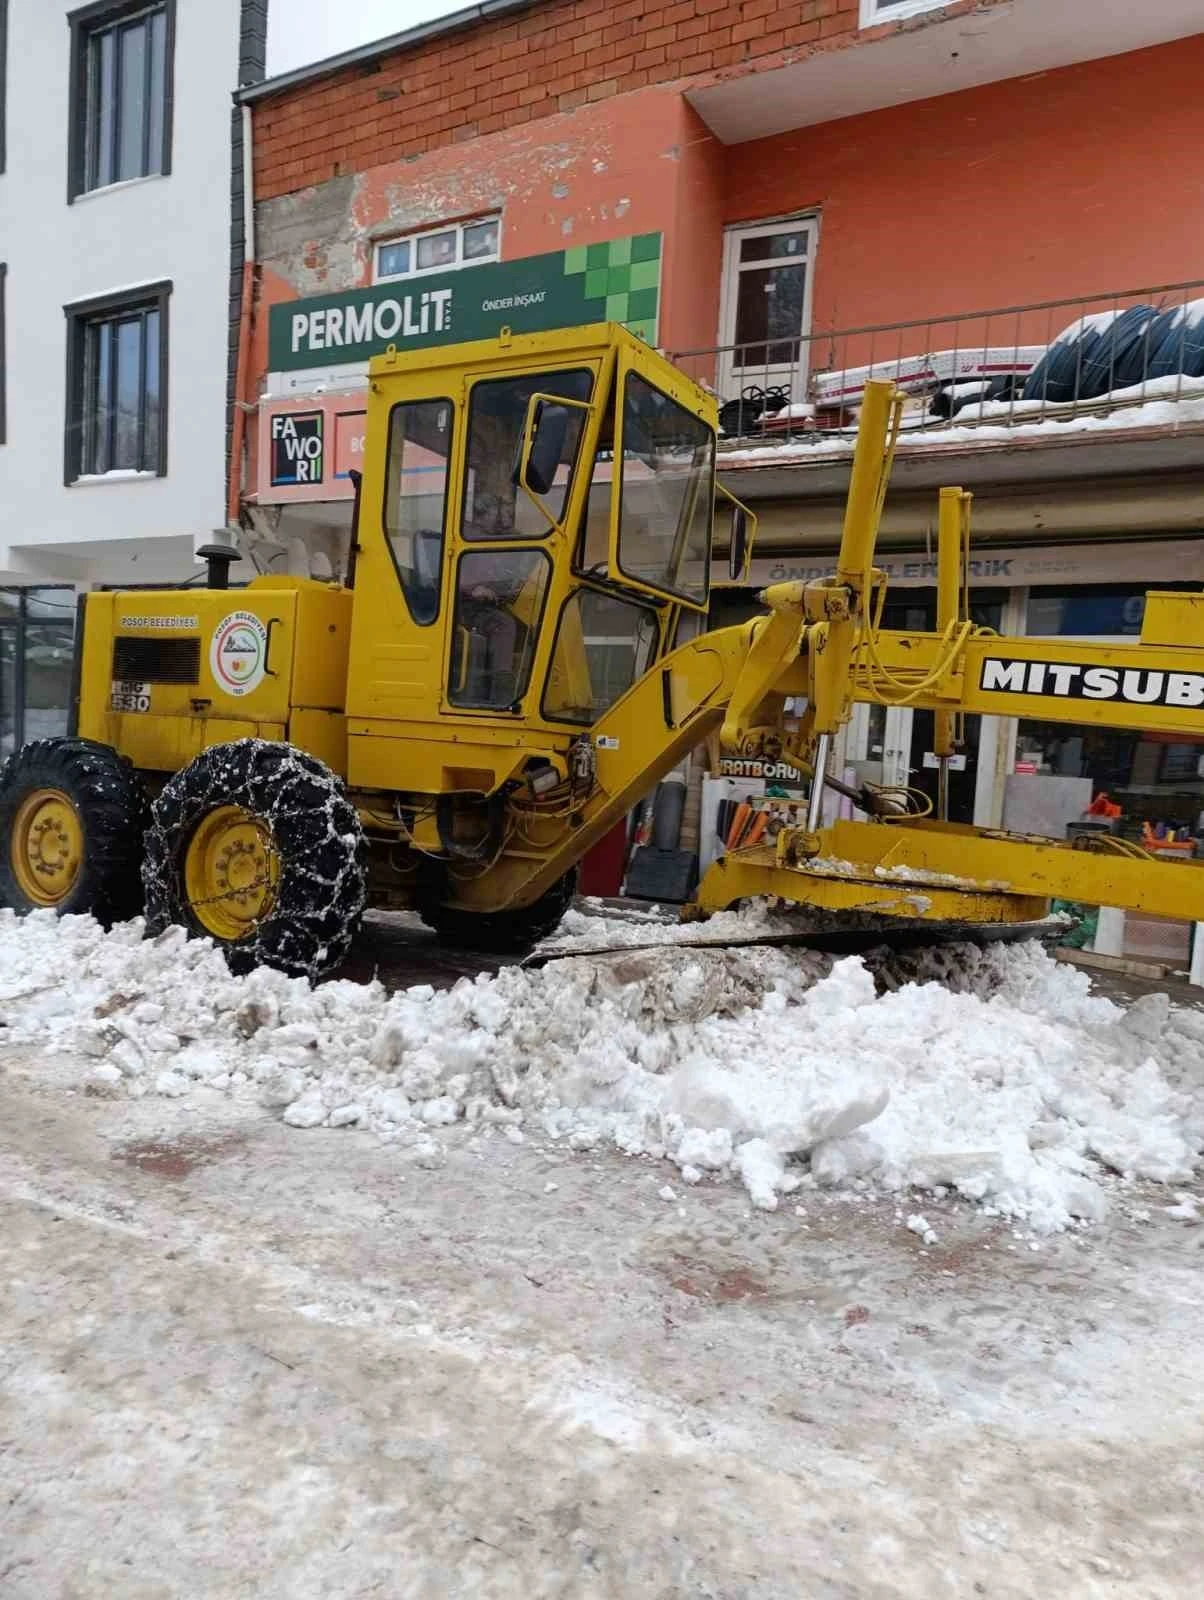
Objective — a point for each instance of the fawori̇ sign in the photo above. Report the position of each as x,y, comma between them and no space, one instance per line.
618,281
297,447
1063,680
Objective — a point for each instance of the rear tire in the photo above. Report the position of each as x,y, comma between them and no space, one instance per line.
256,846
72,820
503,932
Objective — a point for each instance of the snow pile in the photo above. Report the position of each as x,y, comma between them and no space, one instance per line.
778,1066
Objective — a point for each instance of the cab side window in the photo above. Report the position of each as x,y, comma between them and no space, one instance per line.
420,434
499,607
603,644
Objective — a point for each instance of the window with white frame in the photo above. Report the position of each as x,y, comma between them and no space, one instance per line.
455,244
876,12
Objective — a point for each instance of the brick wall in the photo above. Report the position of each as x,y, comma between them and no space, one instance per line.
501,73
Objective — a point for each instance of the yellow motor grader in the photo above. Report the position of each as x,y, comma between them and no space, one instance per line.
515,659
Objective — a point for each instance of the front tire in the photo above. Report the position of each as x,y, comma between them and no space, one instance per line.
255,845
72,819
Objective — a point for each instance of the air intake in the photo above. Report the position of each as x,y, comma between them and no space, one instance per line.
157,660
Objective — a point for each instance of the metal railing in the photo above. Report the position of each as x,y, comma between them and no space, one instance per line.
1132,357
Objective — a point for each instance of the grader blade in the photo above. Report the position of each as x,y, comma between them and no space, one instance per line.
835,934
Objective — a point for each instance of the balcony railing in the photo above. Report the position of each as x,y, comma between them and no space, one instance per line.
1097,363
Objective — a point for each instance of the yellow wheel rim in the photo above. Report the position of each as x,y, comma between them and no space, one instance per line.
46,847
231,870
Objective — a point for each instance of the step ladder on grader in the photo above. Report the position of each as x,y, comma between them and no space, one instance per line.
500,679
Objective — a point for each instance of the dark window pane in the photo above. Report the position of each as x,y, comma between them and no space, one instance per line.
394,259
131,102
101,109
120,401
97,393
480,240
437,250
129,392
8,691
107,108
48,653
158,91
774,247
499,605
769,307
10,602
154,422
1085,611
420,436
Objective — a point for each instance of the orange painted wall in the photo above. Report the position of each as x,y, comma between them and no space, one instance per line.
694,254
598,174
1083,180
578,179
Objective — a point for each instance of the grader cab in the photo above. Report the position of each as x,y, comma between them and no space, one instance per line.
516,657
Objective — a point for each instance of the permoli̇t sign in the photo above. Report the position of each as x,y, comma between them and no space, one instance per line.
614,282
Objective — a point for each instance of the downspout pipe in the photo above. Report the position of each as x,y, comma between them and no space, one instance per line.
238,432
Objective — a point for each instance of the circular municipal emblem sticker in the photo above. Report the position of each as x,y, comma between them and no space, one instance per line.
238,654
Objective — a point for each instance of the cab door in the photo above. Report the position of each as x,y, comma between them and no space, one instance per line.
663,504
510,547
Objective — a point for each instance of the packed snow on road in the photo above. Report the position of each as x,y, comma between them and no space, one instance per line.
781,1069
673,1271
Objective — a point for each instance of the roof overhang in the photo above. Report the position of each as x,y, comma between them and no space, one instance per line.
936,54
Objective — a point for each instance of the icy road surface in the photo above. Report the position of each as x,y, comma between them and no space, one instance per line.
657,1274
244,1361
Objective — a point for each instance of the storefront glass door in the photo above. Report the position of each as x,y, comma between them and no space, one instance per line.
37,629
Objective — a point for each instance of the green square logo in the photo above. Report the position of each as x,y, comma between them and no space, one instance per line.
641,304
645,274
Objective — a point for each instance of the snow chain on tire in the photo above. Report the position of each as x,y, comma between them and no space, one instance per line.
110,804
317,840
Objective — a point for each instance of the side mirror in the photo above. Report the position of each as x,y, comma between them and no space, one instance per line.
737,550
549,430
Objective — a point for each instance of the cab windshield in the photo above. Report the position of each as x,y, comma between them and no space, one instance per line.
667,493
494,507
